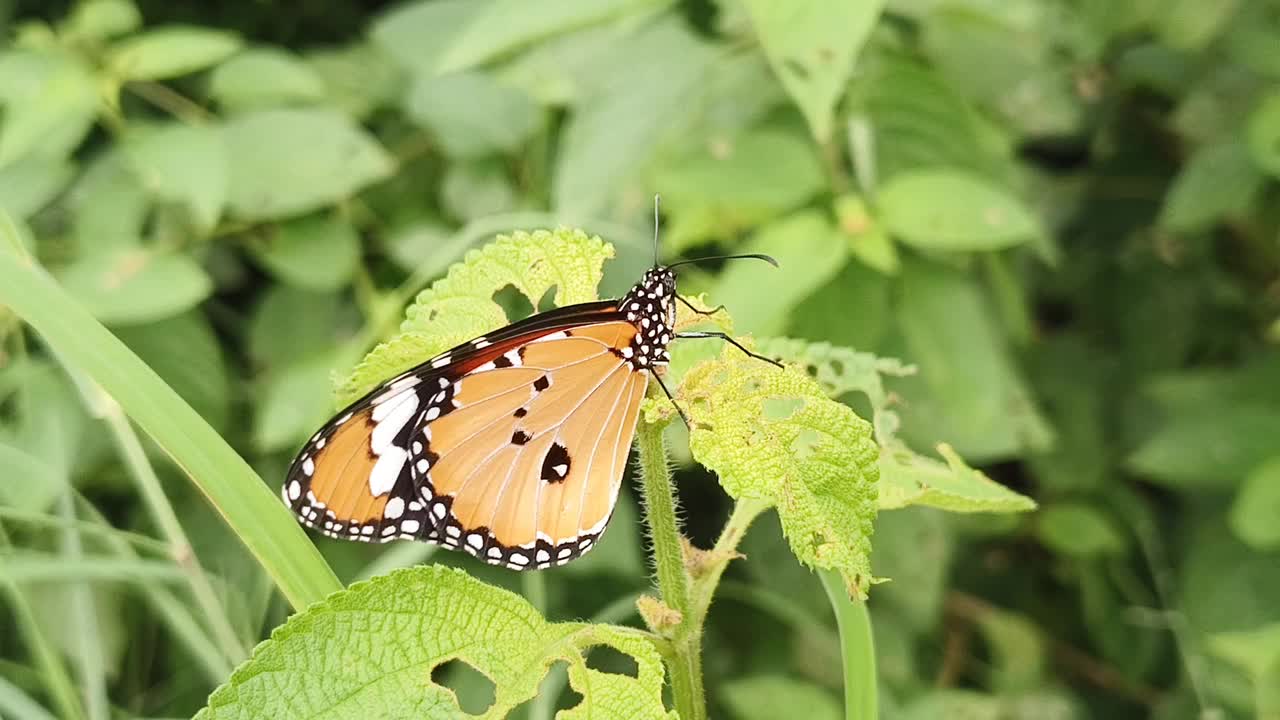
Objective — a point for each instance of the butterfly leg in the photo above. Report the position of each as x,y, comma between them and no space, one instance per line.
731,341
674,404
689,305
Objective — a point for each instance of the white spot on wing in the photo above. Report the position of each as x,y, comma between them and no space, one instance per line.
295,489
393,422
385,472
394,509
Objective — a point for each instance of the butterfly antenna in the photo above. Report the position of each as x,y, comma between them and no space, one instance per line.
746,256
656,200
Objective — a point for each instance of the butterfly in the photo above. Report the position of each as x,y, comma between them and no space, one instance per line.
510,447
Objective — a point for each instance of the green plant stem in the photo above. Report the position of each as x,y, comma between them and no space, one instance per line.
725,550
89,655
685,667
179,546
857,649
254,512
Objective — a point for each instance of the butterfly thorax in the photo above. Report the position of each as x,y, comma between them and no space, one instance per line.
650,306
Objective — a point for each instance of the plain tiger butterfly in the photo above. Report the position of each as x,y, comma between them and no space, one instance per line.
510,447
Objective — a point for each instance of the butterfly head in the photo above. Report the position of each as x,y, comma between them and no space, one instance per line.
651,307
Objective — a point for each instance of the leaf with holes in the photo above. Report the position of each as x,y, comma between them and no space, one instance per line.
774,436
840,370
370,651
460,306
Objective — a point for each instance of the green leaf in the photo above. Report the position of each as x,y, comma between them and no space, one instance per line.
767,697
716,190
811,45
968,392
293,403
34,483
920,120
265,77
30,182
477,189
1255,513
910,479
184,352
376,644
1017,651
49,101
841,370
132,285
1217,182
471,114
1209,449
317,252
953,210
501,26
254,512
1079,530
1264,134
416,34
868,240
103,19
1191,24
809,251
914,548
184,164
966,704
287,162
171,51
647,83
460,306
290,323
774,436
358,79
1256,651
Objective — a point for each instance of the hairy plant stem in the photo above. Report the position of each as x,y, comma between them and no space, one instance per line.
685,667
690,596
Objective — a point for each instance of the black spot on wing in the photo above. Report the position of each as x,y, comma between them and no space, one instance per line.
520,437
555,466
542,383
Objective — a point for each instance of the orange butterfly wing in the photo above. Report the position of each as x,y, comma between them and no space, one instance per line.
511,447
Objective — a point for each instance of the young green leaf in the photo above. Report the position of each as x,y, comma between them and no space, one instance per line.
811,45
460,306
171,51
265,77
315,252
370,650
774,436
911,479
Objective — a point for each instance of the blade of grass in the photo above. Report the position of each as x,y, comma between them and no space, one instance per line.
166,519
88,652
857,649
56,679
174,613
15,703
29,567
86,529
256,515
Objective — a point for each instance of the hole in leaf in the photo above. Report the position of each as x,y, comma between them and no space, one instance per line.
781,408
608,659
806,440
513,302
474,690
556,682
548,300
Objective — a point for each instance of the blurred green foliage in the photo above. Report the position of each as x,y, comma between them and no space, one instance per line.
1062,213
